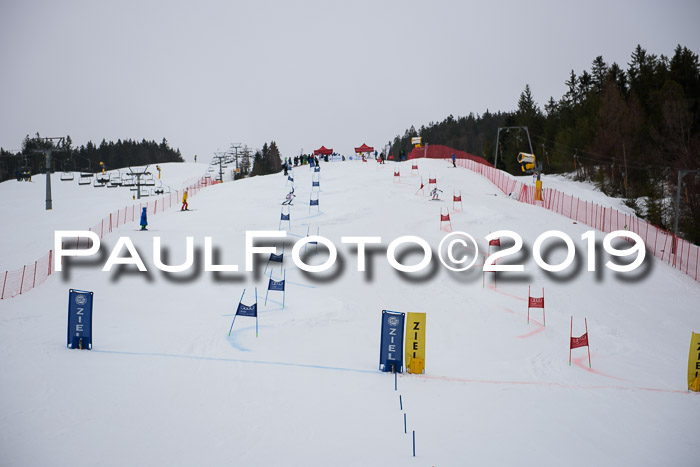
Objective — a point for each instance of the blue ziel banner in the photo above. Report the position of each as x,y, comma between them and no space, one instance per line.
391,347
79,319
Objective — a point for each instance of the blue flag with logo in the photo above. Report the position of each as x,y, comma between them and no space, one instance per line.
278,258
391,346
276,286
79,319
247,310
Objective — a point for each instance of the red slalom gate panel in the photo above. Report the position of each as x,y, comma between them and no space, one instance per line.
535,302
445,218
582,341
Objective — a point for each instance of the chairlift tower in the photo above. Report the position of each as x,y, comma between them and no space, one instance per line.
219,158
235,147
58,145
681,174
508,128
138,175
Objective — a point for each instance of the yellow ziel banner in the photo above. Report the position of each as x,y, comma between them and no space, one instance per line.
693,363
415,342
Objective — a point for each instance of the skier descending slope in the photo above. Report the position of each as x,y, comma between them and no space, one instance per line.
435,193
288,199
185,206
144,219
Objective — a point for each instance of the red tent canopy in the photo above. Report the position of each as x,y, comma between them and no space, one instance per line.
323,150
364,148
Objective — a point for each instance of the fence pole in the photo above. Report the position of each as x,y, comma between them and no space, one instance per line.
3,286
34,280
21,284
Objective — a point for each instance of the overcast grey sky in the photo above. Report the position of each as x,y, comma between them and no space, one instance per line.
208,73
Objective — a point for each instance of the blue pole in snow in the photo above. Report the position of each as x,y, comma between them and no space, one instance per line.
400,402
268,288
268,260
404,423
284,290
234,315
414,443
395,379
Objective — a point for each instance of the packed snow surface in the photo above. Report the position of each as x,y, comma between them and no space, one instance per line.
166,385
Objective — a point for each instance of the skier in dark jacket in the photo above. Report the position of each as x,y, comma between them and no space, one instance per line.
144,219
454,158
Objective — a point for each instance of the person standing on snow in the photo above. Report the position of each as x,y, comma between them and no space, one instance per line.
454,160
144,219
185,206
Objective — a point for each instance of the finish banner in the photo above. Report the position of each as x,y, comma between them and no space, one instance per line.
390,355
694,363
415,343
79,319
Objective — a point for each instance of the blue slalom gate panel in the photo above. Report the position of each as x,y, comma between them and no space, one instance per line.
277,258
79,319
391,346
247,310
276,285
285,217
313,202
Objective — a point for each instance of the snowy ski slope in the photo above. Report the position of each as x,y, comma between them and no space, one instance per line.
166,385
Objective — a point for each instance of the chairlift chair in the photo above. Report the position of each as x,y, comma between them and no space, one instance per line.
84,179
66,175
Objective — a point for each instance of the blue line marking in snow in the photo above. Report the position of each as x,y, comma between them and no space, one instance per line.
236,360
301,285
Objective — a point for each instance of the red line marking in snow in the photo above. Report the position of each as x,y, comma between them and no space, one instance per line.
581,363
553,384
532,333
507,294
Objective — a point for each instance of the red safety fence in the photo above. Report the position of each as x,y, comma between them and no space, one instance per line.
436,151
658,240
22,280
